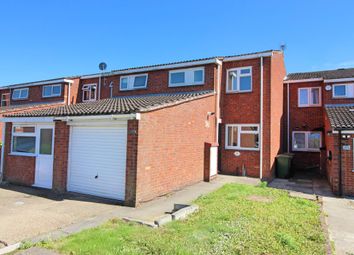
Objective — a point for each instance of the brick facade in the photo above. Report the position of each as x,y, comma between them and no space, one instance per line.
171,147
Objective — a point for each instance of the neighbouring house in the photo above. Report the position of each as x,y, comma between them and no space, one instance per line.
318,124
138,133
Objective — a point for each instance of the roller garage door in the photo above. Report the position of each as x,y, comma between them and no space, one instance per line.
97,160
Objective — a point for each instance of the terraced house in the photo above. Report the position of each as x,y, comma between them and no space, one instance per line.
319,124
138,133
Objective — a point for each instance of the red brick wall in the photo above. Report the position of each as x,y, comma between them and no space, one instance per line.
61,150
35,96
332,166
157,83
131,165
17,169
171,147
278,73
303,119
328,96
244,108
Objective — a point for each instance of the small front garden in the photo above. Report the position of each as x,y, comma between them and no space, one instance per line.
236,219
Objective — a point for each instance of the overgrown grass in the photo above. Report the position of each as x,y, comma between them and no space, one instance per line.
231,220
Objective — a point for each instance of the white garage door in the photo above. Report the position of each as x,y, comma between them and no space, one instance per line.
97,161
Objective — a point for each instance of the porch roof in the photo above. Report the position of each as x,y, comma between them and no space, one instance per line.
117,105
341,117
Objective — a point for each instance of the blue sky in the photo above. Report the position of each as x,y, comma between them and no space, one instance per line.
48,39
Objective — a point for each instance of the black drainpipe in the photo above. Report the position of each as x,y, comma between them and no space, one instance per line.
340,190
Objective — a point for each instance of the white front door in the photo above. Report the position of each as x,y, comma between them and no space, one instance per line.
44,158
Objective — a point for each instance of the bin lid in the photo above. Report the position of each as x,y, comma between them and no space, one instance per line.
285,155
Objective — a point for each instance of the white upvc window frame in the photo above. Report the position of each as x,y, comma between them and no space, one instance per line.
346,90
238,77
239,132
131,80
309,97
32,134
306,149
20,98
52,89
188,77
85,87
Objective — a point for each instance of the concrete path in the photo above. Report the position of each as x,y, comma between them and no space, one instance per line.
148,211
340,220
339,212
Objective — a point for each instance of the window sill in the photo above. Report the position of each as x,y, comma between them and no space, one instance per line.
122,90
19,99
51,96
241,149
22,154
308,106
238,92
185,85
306,150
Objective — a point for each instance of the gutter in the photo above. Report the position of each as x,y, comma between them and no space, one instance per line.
2,153
340,188
288,119
261,124
250,56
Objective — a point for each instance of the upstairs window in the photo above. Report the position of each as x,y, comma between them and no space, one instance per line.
19,94
242,136
133,82
239,80
309,97
186,77
306,141
343,91
51,90
89,92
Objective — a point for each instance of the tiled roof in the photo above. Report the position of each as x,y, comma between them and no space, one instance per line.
341,116
193,60
32,106
118,105
326,75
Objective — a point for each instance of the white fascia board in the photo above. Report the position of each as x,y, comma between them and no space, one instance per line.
153,68
251,56
27,119
37,83
339,80
98,117
304,80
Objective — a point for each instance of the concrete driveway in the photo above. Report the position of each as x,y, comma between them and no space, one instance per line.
27,212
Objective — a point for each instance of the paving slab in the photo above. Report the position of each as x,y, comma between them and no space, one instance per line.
37,251
340,220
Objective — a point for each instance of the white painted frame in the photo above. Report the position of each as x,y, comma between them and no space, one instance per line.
34,134
131,80
346,90
52,89
309,98
239,132
20,98
188,77
306,149
239,75
88,87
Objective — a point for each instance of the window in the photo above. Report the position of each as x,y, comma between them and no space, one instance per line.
186,77
242,136
89,92
343,91
309,97
23,140
51,90
18,94
239,80
133,82
306,141
5,99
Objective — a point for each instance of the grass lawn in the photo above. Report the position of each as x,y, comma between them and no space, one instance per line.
236,219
